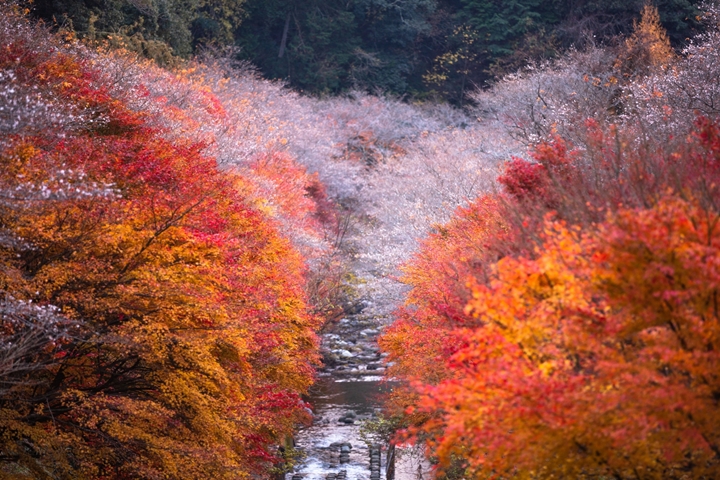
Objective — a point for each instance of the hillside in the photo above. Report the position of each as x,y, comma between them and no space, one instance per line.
182,247
420,49
565,324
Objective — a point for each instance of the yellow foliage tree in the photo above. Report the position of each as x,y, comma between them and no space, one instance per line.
647,47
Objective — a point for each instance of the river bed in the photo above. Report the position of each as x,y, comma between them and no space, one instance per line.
339,407
323,442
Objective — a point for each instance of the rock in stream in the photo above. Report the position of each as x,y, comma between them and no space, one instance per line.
346,394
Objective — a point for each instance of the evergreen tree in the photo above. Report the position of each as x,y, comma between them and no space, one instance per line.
425,48
158,29
326,46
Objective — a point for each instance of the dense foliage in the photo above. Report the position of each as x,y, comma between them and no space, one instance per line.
425,48
156,29
566,326
164,255
154,314
429,48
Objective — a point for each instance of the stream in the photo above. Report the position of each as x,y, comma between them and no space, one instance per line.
324,443
348,392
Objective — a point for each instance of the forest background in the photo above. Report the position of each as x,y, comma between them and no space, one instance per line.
422,49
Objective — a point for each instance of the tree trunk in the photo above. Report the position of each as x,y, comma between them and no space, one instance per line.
283,42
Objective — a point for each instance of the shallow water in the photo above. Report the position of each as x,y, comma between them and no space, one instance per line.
332,400
351,382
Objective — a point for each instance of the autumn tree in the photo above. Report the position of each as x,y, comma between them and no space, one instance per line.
160,315
559,333
648,45
572,374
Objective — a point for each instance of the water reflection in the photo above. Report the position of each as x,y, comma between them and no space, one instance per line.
339,408
359,395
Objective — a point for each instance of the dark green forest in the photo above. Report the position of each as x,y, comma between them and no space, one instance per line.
420,49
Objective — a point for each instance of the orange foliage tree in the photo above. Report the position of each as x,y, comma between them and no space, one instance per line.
181,337
568,327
